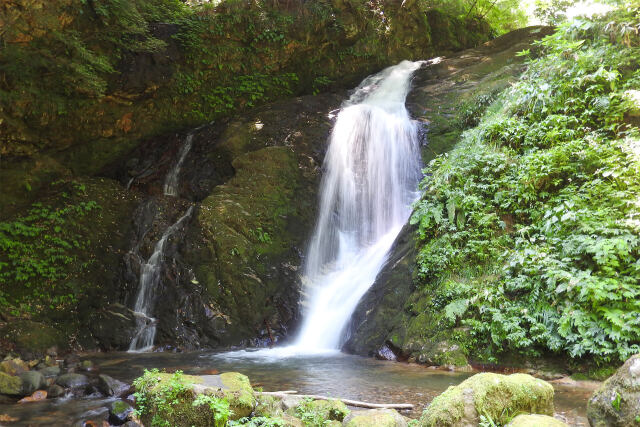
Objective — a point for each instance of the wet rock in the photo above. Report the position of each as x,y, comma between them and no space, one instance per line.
32,381
113,326
55,391
73,381
86,365
111,387
119,412
35,397
375,418
10,384
132,424
385,353
493,395
534,420
617,402
50,371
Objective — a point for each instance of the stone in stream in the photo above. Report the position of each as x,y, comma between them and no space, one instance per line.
119,412
32,381
13,366
617,402
232,386
490,395
35,397
111,387
375,417
536,420
73,381
10,384
55,391
50,371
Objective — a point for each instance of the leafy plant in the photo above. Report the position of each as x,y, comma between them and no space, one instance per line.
218,406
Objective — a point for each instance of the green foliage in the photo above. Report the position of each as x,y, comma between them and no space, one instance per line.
35,250
502,15
308,414
219,407
552,12
530,229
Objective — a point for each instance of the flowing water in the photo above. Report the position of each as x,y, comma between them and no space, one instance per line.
372,169
149,279
171,180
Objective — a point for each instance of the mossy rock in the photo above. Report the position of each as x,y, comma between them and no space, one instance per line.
375,418
157,389
332,409
535,420
617,402
492,395
33,337
10,384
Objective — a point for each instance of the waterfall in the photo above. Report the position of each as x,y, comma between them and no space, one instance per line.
372,170
149,279
171,180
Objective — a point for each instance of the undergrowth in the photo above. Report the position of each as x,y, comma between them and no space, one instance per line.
530,228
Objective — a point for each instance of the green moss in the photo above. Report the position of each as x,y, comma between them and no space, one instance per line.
33,337
536,421
499,397
10,385
237,390
377,418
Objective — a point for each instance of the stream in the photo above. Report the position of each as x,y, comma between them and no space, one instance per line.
329,373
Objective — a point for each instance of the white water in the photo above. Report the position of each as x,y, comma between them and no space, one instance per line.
370,182
149,279
171,180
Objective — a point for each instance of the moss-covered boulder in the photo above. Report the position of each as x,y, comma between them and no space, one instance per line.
186,400
375,418
536,420
320,411
10,384
617,402
496,396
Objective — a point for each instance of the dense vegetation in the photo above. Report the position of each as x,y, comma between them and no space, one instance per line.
529,229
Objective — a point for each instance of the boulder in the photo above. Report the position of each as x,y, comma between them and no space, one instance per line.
111,387
10,384
617,401
375,418
74,381
13,366
182,390
327,410
32,381
50,371
494,396
55,391
119,412
536,420
35,397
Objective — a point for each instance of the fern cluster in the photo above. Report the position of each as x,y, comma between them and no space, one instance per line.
530,229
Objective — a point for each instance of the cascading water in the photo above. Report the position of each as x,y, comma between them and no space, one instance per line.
171,180
372,169
149,279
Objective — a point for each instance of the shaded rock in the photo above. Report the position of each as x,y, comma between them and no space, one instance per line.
33,338
385,353
375,418
617,402
493,395
32,381
111,387
113,326
50,371
11,385
55,391
73,381
119,412
535,420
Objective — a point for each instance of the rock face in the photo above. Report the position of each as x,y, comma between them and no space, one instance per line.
392,315
617,401
490,395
